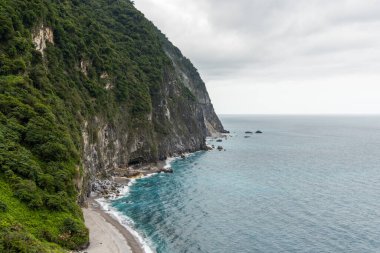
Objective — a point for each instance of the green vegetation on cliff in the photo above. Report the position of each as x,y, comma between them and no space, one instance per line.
63,62
42,98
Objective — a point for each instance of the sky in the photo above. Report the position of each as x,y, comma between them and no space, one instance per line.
279,56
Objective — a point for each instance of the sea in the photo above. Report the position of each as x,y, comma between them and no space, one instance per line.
306,184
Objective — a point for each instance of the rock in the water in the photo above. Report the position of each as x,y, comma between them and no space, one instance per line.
259,132
220,148
219,140
247,136
166,170
248,132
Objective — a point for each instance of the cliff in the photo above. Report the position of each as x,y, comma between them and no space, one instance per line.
86,87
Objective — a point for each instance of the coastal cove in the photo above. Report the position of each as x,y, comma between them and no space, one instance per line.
307,184
113,141
110,231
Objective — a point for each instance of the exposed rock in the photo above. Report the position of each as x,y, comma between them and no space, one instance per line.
248,132
108,86
108,82
134,174
259,132
219,140
84,65
166,170
175,124
220,148
192,80
104,75
105,188
42,35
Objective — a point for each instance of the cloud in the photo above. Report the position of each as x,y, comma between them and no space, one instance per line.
273,41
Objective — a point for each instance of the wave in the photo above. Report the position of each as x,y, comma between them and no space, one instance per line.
106,205
126,222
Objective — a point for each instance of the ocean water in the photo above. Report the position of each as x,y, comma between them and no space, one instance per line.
307,184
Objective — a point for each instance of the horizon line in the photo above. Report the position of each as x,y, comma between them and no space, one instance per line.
300,114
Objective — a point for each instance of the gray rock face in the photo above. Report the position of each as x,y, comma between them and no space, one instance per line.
191,79
182,117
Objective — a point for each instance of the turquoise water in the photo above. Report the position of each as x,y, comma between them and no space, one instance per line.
307,184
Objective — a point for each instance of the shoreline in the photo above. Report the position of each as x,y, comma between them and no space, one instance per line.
106,233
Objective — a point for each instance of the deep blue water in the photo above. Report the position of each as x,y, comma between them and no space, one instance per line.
307,184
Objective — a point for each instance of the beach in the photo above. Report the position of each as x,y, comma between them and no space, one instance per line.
106,234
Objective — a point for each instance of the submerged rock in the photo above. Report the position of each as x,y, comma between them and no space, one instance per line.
248,132
259,132
219,140
220,148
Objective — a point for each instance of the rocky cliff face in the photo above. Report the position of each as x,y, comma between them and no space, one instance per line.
182,117
41,36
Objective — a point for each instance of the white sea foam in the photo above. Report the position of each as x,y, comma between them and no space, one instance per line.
148,175
122,218
126,222
168,162
106,205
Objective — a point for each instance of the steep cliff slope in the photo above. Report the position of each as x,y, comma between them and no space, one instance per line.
86,86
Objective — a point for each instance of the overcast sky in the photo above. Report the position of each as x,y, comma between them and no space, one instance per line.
279,56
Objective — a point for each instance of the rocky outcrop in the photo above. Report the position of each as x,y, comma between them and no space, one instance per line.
41,36
84,65
105,78
174,126
189,76
181,118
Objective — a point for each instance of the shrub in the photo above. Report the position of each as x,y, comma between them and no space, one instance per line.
73,234
15,239
70,226
53,151
26,190
56,202
3,207
46,182
6,28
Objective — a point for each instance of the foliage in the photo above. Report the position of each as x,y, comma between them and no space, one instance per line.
25,229
3,207
45,97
